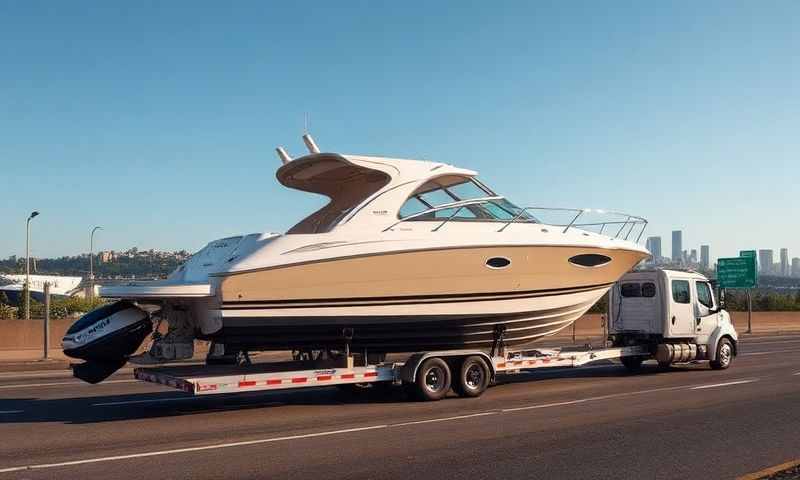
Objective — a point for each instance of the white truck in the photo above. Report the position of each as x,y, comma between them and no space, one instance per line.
664,315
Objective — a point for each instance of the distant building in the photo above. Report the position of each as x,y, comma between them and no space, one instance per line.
785,262
765,261
654,245
106,257
693,257
677,246
705,256
796,267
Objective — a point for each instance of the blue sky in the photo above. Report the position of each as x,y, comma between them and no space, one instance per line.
158,120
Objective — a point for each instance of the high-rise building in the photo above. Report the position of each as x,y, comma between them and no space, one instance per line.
784,262
765,261
796,267
705,256
693,257
677,246
654,245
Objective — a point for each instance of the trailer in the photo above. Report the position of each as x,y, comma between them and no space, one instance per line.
669,316
426,375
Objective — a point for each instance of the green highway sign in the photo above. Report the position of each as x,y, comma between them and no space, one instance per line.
747,253
737,272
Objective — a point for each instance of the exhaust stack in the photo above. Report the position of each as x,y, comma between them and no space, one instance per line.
310,144
283,155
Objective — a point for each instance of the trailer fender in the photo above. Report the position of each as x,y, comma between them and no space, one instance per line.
408,373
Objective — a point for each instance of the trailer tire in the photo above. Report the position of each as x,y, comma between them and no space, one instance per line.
724,355
633,364
433,380
473,378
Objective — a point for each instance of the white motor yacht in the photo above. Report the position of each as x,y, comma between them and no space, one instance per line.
407,255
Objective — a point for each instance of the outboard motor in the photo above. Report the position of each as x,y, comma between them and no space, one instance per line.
105,338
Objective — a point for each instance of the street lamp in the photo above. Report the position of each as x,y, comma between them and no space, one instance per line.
28,265
91,260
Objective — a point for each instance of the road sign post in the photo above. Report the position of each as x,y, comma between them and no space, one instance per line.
740,272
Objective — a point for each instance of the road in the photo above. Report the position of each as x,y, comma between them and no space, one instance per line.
595,422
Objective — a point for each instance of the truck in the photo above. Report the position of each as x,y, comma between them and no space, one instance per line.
670,316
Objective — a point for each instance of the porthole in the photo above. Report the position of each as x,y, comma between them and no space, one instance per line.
498,262
590,260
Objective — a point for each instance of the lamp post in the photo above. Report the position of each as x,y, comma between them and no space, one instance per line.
28,265
91,260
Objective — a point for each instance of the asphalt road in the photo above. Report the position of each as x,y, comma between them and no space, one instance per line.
595,422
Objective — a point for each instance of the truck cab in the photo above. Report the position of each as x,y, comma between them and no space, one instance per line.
675,312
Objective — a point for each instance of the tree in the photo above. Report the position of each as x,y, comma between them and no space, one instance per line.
4,299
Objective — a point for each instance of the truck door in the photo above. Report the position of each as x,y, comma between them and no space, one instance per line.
681,318
705,321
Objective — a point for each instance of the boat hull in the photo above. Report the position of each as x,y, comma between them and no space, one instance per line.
401,325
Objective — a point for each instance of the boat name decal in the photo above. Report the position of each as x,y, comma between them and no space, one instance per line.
93,331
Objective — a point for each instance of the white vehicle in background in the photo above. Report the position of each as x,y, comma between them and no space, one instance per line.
676,313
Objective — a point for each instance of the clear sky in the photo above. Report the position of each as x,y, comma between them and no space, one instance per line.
158,120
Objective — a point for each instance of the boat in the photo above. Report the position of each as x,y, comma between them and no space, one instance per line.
12,285
407,255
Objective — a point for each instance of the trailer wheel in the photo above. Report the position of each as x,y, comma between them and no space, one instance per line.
724,355
433,380
473,378
633,364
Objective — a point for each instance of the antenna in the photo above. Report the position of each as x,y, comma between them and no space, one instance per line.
283,155
310,144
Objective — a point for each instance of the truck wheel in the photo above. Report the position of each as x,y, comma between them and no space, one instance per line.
724,355
433,380
473,378
633,364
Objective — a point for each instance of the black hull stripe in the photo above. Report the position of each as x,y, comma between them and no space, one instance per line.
404,300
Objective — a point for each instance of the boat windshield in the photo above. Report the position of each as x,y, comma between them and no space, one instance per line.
450,189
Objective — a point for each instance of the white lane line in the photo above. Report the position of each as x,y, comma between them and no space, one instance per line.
545,405
154,400
445,419
10,411
55,384
798,373
337,432
715,385
190,449
771,352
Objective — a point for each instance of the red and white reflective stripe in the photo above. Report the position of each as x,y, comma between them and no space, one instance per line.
514,364
274,382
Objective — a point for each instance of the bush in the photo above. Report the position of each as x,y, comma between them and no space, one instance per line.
7,312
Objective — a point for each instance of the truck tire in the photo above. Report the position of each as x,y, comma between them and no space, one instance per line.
433,380
633,364
724,355
473,378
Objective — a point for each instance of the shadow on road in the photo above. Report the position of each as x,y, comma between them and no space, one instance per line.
110,408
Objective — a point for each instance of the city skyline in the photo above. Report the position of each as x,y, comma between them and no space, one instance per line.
166,135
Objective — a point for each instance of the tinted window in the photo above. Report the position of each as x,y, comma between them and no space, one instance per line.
631,290
649,290
680,291
704,294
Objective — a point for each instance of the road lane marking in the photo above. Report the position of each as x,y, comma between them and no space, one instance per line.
771,352
54,384
445,419
768,472
11,411
190,449
715,385
798,373
336,432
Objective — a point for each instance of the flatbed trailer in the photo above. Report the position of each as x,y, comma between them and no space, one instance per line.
428,375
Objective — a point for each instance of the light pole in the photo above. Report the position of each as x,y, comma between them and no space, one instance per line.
28,265
91,260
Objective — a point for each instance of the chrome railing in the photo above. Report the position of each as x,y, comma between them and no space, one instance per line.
627,223
626,226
